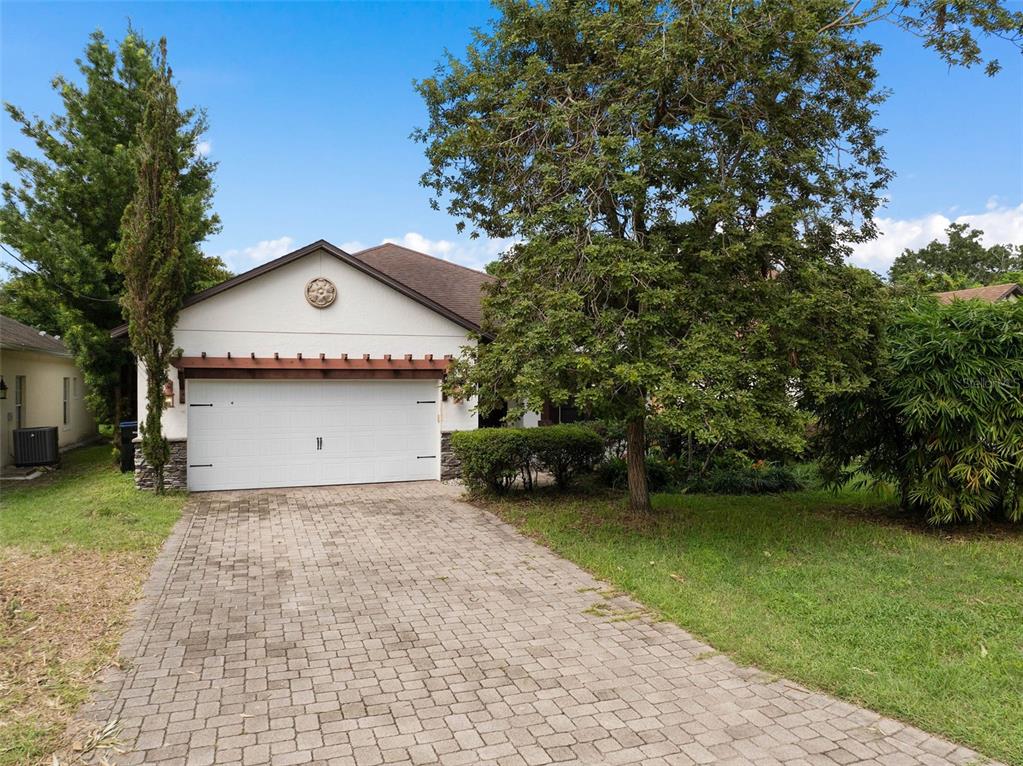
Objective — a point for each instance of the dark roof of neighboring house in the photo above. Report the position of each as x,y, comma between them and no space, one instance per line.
16,336
456,287
452,291
991,293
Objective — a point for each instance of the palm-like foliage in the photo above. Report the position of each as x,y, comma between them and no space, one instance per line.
944,418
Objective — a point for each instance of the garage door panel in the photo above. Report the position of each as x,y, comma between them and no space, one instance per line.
263,433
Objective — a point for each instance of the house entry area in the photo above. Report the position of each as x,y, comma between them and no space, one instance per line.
248,434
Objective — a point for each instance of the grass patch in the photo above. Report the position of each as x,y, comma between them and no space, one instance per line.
831,590
75,548
87,503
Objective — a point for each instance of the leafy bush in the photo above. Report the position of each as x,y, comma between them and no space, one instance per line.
613,473
612,433
750,480
808,475
726,478
943,419
563,451
492,458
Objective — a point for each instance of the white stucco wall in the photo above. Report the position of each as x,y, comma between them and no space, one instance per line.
44,398
530,420
270,314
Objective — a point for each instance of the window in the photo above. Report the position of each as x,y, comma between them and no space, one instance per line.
67,401
19,401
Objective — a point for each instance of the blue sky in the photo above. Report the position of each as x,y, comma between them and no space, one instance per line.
311,106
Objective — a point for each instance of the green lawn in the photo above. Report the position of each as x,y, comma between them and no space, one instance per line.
921,625
87,504
75,547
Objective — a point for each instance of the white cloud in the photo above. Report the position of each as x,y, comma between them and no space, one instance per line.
203,148
245,258
1000,224
474,253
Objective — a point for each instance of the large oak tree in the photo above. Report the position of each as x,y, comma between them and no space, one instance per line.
687,178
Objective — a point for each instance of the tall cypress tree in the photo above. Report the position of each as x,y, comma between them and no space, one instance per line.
151,251
62,216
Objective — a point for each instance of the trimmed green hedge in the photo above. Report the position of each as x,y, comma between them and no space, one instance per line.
492,458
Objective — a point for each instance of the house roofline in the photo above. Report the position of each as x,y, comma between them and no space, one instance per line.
341,255
34,350
976,293
423,255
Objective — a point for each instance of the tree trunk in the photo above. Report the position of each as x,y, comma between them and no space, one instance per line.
635,456
154,445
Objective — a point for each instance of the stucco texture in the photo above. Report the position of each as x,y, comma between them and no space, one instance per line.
44,398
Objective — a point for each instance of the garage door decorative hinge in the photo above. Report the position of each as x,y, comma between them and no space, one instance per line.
200,405
426,401
200,465
424,457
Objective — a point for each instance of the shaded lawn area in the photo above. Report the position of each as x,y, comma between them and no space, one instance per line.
75,548
824,589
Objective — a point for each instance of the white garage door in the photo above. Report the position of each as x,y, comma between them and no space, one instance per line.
246,434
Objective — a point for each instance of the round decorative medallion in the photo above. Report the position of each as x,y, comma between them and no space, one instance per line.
320,292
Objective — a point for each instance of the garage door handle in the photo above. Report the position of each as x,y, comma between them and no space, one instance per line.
319,442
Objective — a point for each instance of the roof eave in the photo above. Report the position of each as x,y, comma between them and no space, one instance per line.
321,244
33,349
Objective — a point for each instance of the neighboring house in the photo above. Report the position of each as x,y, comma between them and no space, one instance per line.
320,367
991,294
41,387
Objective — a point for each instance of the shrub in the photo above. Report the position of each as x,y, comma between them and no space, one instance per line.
613,473
492,458
563,451
808,475
943,419
749,480
612,433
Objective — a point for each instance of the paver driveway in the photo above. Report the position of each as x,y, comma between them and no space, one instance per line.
395,624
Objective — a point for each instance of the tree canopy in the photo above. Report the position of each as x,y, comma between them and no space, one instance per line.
62,217
687,178
962,261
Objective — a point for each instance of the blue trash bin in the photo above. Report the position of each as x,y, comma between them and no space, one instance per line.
129,430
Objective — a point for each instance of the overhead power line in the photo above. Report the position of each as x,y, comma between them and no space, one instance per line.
52,282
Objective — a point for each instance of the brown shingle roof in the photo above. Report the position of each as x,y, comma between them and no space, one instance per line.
458,288
991,293
17,336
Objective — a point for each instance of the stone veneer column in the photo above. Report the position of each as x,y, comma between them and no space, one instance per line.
450,465
175,473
